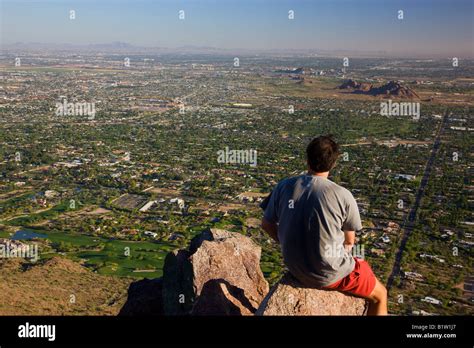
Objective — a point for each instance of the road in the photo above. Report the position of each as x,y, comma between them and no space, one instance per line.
409,222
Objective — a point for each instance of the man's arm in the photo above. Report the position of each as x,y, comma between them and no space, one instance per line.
271,229
352,222
349,240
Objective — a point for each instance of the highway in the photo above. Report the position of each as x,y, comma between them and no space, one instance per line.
409,222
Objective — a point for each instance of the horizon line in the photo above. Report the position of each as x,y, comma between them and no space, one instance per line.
120,46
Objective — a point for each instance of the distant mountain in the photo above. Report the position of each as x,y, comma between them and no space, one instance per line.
390,89
115,44
393,88
351,84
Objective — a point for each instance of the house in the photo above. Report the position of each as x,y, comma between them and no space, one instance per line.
413,276
178,201
147,206
435,257
431,300
251,197
152,234
408,177
50,193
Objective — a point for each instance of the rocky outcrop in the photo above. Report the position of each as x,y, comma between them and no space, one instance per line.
394,89
351,84
289,297
390,89
220,275
144,298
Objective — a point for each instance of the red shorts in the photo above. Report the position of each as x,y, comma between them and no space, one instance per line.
360,282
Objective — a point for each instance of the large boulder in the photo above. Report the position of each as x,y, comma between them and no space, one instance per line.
219,297
219,275
289,297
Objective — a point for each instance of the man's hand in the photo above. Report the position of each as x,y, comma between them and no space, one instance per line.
271,229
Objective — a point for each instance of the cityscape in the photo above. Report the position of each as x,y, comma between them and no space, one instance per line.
113,155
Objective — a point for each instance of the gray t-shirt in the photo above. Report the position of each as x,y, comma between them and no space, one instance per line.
312,212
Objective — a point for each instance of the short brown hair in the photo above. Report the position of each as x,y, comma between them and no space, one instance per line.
322,153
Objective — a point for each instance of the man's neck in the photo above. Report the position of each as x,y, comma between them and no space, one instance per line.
322,174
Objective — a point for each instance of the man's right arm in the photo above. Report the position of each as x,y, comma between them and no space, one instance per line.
270,216
271,228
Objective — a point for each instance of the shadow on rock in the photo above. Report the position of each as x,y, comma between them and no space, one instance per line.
144,298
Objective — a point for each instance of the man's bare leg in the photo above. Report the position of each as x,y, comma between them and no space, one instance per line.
378,300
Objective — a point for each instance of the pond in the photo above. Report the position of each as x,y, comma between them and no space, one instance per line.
26,235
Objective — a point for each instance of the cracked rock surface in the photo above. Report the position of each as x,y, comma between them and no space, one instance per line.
288,297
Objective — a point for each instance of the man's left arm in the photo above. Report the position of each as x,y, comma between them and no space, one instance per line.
352,222
349,240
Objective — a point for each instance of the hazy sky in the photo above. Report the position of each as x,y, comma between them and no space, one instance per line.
429,27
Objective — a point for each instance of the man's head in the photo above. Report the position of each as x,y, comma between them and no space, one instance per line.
322,153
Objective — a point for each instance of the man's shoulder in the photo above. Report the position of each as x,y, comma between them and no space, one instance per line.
291,182
338,190
288,181
338,187
307,180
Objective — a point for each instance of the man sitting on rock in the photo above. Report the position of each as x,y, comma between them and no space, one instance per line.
314,220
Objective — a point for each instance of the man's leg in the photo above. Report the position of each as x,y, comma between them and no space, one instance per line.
363,283
378,300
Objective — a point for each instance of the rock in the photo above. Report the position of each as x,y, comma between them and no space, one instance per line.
395,89
289,297
144,298
219,297
350,84
390,89
178,290
219,275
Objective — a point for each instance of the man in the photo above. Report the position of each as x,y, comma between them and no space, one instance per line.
315,220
